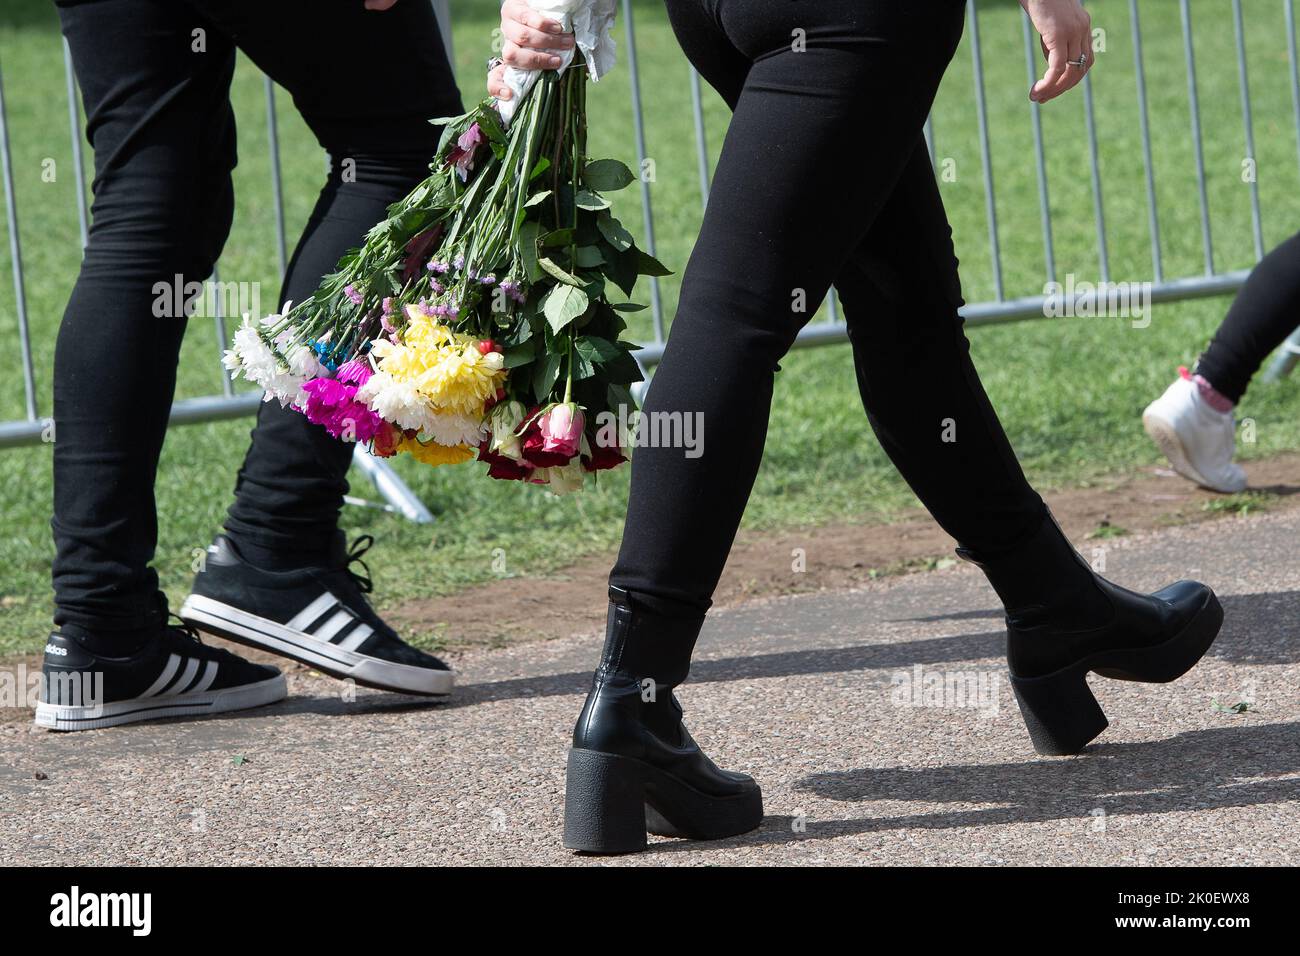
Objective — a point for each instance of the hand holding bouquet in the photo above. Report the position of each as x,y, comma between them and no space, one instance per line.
476,321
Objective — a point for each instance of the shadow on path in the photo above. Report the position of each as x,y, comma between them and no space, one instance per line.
1200,770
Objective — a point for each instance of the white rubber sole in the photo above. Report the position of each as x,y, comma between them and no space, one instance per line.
222,620
59,717
1166,438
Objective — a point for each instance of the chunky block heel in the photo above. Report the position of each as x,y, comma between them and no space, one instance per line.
1060,711
604,804
612,802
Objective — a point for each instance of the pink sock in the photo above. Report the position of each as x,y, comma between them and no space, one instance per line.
1218,402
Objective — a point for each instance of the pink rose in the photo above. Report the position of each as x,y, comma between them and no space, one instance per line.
561,429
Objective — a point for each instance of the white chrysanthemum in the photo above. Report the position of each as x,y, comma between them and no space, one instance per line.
451,428
258,363
399,402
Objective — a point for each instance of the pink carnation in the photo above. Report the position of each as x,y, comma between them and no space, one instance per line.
331,403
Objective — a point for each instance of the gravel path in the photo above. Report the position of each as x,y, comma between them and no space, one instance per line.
828,699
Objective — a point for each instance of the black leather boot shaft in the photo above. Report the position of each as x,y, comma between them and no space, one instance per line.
643,646
1044,579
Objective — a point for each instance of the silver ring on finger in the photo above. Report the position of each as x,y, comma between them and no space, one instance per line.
493,63
1081,63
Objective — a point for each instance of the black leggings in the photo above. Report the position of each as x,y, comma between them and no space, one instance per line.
824,178
155,77
1265,312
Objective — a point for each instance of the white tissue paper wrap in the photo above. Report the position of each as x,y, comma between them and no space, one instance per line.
591,22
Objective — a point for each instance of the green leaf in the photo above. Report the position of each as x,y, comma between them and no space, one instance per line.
589,200
528,249
557,237
562,305
622,270
606,175
537,197
545,372
521,354
622,367
583,367
542,166
489,121
620,395
554,270
614,233
589,257
648,265
628,307
598,350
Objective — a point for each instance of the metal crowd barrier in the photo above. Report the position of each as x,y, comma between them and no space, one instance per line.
1164,288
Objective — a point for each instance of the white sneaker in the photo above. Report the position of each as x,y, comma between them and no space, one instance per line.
1198,440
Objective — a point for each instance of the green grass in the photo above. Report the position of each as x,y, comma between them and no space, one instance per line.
1070,391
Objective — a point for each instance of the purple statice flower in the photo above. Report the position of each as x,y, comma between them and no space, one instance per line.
487,279
351,292
514,290
459,262
438,266
438,287
386,319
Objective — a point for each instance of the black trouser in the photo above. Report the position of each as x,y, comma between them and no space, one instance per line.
824,178
155,77
1265,312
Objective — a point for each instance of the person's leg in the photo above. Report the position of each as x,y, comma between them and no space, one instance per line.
923,397
1264,313
160,124
370,110
282,578
791,199
1192,422
770,246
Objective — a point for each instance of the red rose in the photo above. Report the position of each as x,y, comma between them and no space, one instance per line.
501,467
602,458
533,442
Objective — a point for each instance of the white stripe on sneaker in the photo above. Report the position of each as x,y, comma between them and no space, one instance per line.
356,638
209,675
312,612
335,624
182,682
168,672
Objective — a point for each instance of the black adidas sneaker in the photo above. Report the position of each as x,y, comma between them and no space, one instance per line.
173,675
318,616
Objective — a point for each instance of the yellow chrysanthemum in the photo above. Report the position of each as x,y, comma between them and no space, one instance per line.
434,454
445,367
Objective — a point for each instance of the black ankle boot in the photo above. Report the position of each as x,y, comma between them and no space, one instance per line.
1063,621
633,767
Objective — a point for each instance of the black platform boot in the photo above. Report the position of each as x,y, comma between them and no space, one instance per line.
633,767
1063,621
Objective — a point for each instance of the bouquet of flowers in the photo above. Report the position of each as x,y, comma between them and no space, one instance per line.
476,320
